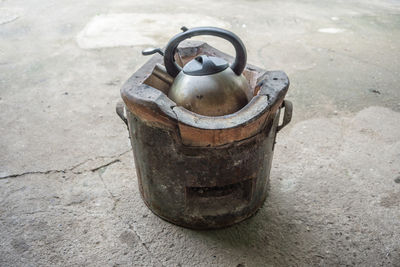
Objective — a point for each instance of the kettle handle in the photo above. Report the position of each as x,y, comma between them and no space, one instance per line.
237,66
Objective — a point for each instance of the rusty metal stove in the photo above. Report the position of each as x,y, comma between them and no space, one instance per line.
197,171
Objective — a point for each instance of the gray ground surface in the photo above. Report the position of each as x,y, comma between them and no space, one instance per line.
68,189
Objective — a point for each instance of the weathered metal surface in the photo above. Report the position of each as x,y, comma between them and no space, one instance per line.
224,93
201,187
197,171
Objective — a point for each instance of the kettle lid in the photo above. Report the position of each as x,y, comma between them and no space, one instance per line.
205,65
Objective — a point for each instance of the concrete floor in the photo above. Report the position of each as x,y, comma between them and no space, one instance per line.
68,188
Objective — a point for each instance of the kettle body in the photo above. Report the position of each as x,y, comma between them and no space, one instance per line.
208,85
212,95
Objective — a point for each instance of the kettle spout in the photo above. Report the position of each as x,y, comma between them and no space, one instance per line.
161,73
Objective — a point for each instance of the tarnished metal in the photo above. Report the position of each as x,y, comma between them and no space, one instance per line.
197,171
287,117
212,95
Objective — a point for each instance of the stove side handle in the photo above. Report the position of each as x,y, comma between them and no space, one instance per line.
287,116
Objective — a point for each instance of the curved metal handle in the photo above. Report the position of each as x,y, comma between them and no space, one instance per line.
119,108
237,66
287,116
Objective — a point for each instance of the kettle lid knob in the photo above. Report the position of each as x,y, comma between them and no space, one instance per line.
205,65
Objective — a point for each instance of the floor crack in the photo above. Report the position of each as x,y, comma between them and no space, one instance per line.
132,228
71,169
32,172
105,165
112,196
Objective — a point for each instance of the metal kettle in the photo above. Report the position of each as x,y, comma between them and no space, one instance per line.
207,85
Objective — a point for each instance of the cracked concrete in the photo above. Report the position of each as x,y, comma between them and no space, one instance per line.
68,188
80,166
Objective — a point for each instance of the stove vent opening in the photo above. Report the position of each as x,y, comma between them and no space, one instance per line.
212,201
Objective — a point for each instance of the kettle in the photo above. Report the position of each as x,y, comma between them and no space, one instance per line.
208,85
